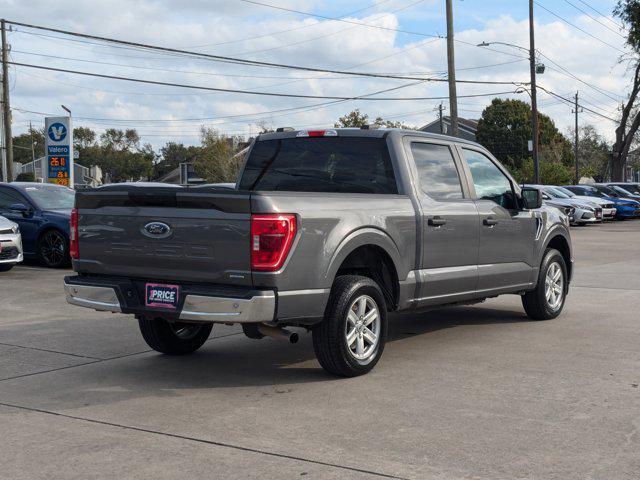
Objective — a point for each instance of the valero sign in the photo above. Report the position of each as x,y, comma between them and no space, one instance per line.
59,143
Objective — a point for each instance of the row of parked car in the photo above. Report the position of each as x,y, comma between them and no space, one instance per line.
34,217
594,203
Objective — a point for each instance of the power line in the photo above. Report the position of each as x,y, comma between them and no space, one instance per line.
336,19
571,102
595,19
329,34
248,92
251,62
601,14
302,27
579,28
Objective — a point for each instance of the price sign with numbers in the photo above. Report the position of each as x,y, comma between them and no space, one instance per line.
59,144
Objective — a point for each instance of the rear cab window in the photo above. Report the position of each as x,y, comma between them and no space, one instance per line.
320,164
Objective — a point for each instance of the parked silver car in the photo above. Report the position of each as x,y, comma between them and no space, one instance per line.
584,212
608,207
10,245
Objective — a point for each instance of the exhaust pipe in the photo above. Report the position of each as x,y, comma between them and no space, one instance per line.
281,333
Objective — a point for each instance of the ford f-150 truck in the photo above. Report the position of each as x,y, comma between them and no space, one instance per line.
330,230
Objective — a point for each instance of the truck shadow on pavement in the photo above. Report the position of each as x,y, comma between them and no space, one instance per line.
235,361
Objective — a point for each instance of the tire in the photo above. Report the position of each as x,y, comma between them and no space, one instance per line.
173,338
5,267
53,249
343,343
539,304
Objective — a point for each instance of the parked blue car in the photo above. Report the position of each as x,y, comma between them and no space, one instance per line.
43,212
625,207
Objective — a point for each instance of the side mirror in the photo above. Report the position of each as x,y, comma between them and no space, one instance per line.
532,198
20,208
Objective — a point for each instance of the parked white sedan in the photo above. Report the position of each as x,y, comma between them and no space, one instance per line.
10,245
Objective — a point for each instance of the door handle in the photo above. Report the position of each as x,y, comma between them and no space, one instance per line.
489,222
436,222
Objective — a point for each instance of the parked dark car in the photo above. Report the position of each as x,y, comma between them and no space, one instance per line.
42,211
625,207
631,187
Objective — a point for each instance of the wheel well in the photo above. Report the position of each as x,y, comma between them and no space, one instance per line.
373,262
560,243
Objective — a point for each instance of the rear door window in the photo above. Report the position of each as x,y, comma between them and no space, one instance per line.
323,164
437,171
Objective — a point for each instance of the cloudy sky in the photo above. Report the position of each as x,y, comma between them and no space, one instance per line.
245,30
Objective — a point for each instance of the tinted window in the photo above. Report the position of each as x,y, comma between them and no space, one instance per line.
324,164
489,181
437,170
8,198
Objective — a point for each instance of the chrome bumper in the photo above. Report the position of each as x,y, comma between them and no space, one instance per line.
98,298
197,308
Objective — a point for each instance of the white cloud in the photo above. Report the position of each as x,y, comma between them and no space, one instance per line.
318,43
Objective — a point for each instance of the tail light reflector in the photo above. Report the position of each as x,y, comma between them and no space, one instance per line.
74,252
271,239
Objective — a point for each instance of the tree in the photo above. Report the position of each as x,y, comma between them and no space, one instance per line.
216,161
505,130
629,13
593,153
172,155
357,119
122,158
22,145
352,119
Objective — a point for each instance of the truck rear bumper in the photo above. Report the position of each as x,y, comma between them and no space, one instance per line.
216,305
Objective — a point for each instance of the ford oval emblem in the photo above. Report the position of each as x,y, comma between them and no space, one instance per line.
156,230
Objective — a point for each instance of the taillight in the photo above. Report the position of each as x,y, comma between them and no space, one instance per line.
271,239
74,252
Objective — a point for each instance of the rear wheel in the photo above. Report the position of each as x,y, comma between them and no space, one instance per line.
173,338
53,249
547,300
350,339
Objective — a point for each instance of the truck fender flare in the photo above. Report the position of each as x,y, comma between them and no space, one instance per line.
359,238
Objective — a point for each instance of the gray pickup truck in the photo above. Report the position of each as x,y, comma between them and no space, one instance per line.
329,230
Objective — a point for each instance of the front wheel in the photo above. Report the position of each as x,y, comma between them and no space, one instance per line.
5,267
547,300
173,338
350,339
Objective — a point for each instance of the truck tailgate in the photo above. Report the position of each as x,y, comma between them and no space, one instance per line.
163,233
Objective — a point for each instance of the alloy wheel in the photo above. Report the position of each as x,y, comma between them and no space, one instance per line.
554,286
362,328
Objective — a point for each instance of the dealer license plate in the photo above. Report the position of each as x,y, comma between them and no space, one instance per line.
161,295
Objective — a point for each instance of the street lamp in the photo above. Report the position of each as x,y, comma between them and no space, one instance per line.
535,68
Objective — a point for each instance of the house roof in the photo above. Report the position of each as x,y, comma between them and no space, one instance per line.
466,123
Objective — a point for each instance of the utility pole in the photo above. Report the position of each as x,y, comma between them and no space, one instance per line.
534,100
575,145
6,108
33,152
451,67
440,117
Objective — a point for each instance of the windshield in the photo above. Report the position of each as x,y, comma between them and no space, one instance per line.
558,193
628,188
607,191
591,192
621,191
51,198
568,193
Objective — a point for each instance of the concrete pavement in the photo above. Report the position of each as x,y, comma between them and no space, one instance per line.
463,393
